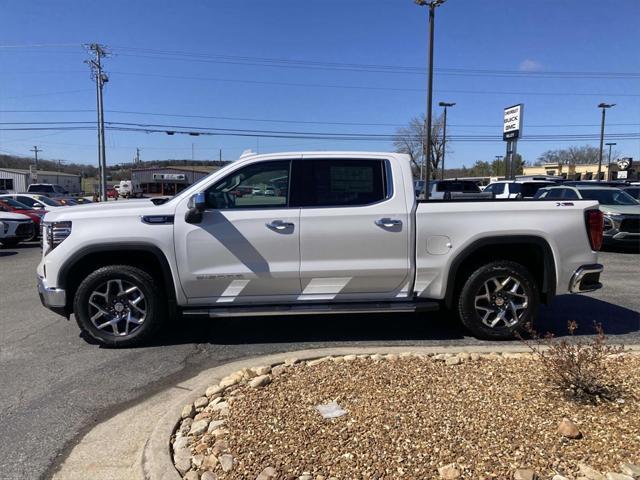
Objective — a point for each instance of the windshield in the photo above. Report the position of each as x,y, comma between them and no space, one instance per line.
608,197
48,201
15,204
634,192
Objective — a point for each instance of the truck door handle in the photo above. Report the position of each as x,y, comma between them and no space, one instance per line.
388,222
279,225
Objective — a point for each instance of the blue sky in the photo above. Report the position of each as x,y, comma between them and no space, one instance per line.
516,35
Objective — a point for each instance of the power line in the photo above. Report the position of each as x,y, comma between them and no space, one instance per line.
300,121
365,87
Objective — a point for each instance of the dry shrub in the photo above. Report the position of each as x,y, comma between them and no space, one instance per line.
584,370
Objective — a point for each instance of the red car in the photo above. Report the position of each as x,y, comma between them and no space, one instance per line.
112,192
11,205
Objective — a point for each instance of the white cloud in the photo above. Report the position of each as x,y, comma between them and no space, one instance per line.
529,65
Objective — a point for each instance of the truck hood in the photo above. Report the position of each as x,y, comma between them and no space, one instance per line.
621,209
108,210
12,216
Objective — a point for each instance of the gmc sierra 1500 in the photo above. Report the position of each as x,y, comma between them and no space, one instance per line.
339,232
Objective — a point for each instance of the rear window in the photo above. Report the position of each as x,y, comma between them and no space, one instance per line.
41,188
338,182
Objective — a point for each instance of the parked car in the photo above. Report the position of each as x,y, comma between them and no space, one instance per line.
348,236
634,191
517,188
442,189
39,202
256,191
621,210
11,205
112,192
269,192
49,189
15,228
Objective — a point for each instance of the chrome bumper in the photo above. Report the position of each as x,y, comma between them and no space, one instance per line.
51,297
586,279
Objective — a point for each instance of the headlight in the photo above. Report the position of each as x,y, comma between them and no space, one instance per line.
4,228
55,233
608,223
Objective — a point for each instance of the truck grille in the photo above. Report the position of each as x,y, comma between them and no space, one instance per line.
631,225
25,230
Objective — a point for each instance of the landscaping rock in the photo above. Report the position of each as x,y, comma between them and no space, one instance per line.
291,361
453,361
199,427
201,402
278,370
449,472
349,358
262,370
618,476
590,473
474,357
181,442
192,475
317,361
218,406
226,462
209,476
213,390
210,462
183,464
376,357
186,425
215,424
268,473
260,381
559,477
197,460
188,411
630,469
524,474
569,429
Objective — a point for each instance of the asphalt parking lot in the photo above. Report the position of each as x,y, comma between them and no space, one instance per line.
57,385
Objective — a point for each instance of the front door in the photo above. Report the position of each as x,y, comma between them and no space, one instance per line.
247,246
354,229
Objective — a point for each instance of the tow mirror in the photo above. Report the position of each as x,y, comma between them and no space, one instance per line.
197,205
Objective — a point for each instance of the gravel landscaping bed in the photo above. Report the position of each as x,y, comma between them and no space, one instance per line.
408,416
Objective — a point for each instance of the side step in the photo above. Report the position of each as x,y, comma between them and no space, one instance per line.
313,309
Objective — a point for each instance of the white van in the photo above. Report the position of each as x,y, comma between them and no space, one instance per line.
130,189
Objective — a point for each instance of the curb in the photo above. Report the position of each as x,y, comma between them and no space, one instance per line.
156,460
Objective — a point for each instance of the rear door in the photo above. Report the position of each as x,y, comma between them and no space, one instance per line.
354,228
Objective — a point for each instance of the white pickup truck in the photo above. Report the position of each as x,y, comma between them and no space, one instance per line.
342,233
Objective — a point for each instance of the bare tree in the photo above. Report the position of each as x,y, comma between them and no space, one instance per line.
573,156
411,139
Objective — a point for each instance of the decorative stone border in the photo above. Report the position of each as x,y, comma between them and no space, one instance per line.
206,415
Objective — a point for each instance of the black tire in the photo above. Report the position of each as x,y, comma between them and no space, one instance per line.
478,286
153,298
9,243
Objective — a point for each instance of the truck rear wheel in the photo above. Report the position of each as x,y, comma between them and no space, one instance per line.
119,306
498,300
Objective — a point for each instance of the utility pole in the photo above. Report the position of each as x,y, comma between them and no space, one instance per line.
609,144
101,78
604,107
444,134
192,152
137,162
426,146
35,151
220,157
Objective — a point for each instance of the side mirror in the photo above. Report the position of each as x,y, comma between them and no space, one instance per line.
197,205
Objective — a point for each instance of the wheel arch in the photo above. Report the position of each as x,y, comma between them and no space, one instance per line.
532,251
88,259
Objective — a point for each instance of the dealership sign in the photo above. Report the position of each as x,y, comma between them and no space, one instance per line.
169,176
624,163
512,128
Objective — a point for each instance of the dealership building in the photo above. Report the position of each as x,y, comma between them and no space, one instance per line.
623,169
14,180
169,180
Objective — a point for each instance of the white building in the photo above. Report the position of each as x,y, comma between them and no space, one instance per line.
15,180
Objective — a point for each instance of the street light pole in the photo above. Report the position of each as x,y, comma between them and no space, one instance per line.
426,147
609,144
604,107
444,134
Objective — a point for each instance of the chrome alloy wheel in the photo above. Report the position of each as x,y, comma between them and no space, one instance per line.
501,302
117,307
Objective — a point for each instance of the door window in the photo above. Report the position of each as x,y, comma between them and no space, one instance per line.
260,185
338,182
555,194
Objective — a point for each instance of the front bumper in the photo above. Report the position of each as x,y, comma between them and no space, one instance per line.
51,297
586,279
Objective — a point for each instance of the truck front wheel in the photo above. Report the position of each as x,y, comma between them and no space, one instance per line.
498,300
119,306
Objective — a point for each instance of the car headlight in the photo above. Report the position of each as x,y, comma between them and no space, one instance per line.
4,228
608,223
55,233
